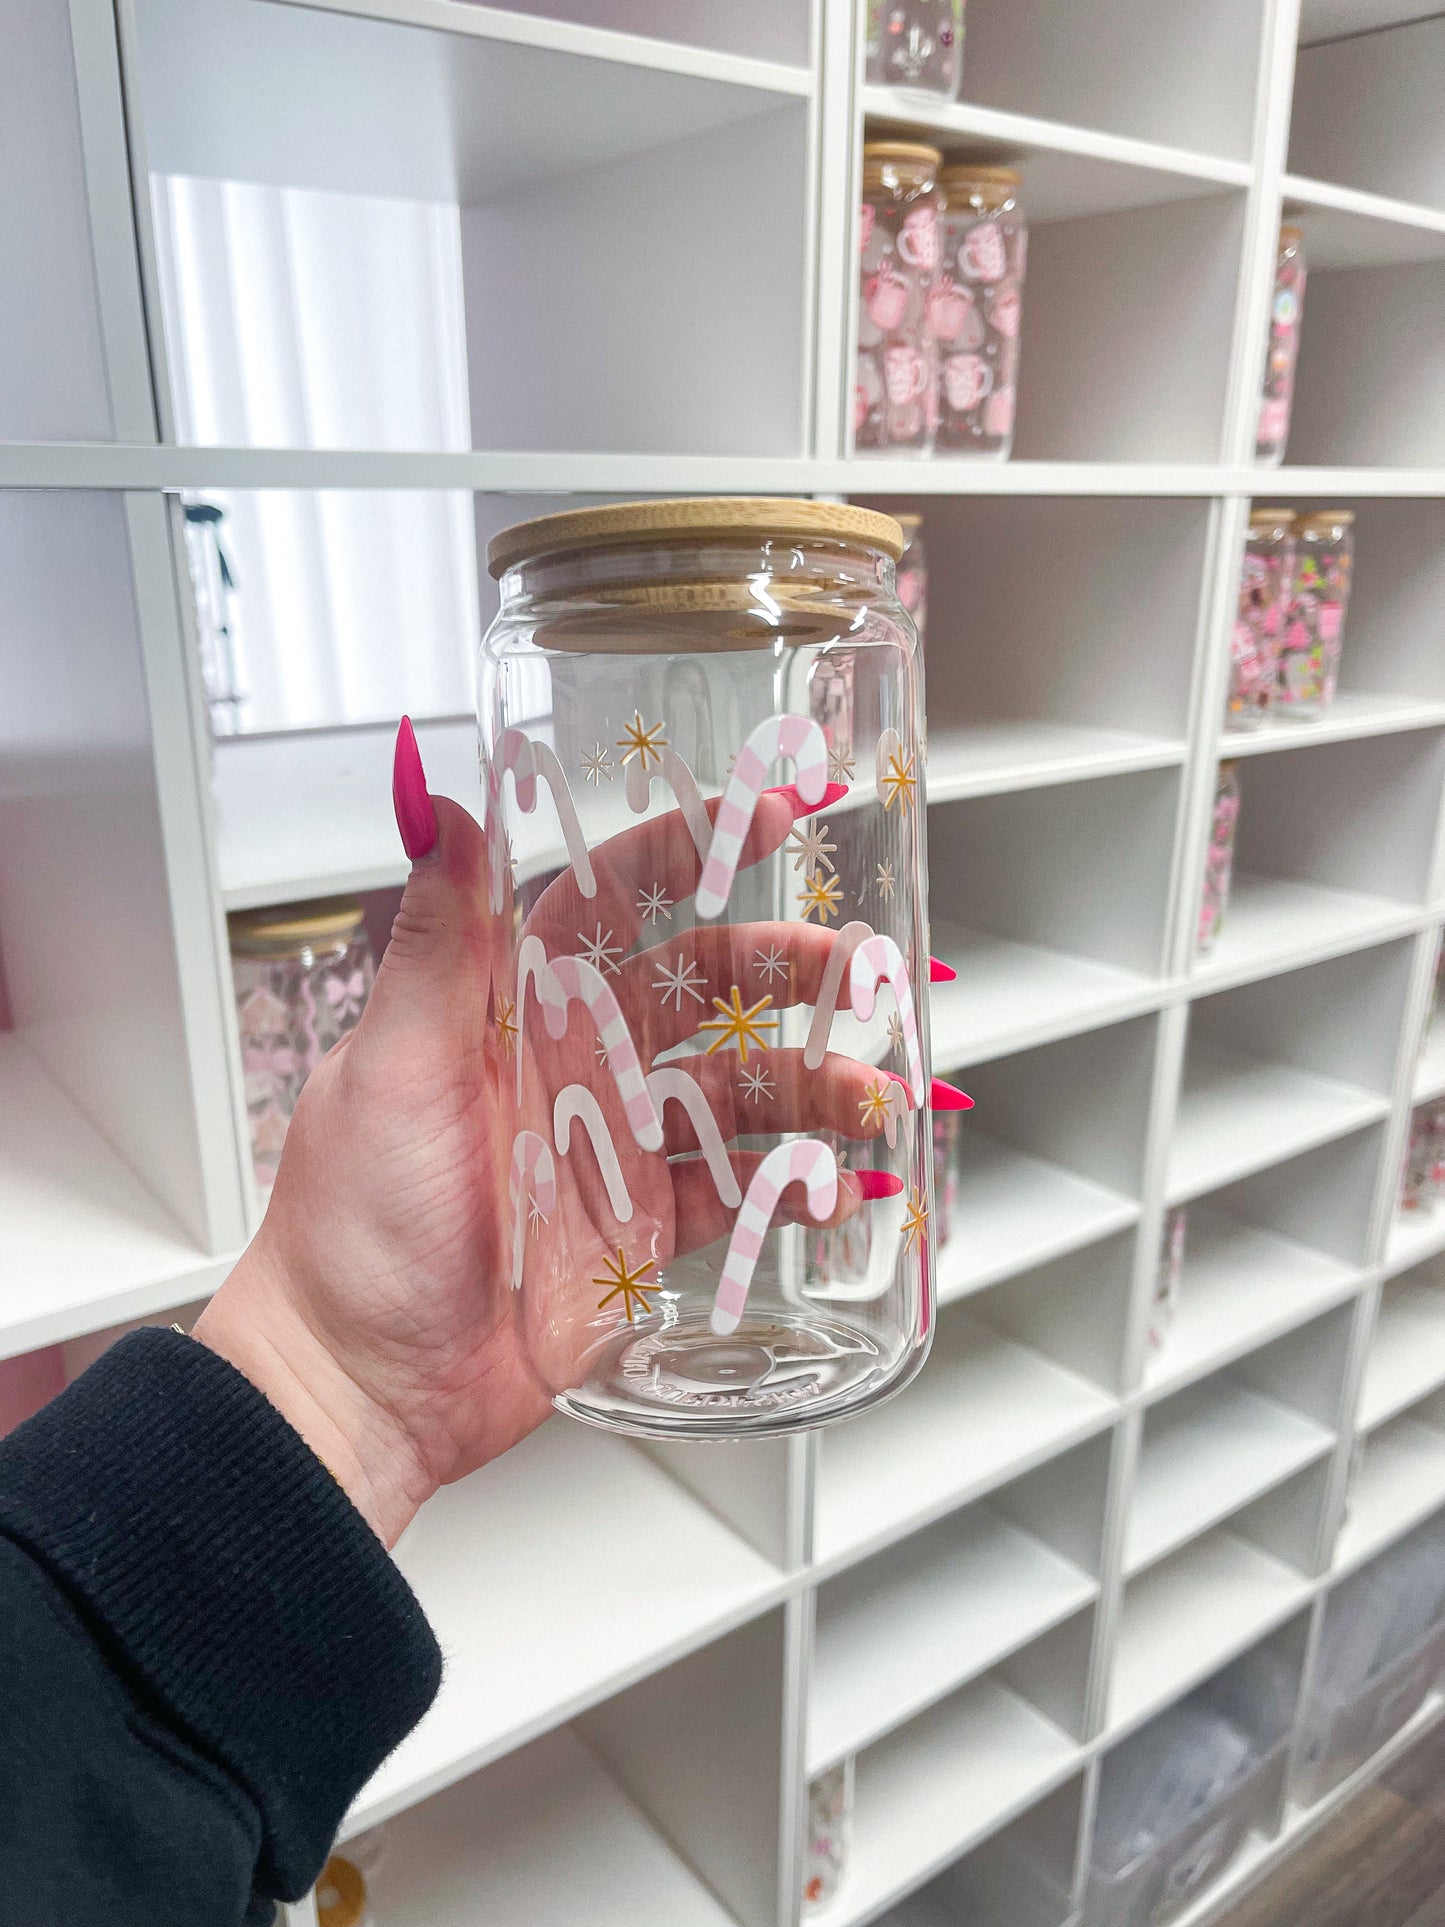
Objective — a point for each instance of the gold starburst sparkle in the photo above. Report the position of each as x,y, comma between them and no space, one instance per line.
822,894
735,1025
507,1025
622,1281
640,741
874,1104
915,1225
898,782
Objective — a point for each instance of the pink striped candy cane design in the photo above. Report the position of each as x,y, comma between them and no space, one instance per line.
527,761
795,736
844,945
684,787
874,960
806,1158
682,1089
575,1100
575,978
532,1171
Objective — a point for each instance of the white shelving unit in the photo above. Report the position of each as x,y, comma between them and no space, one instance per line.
646,222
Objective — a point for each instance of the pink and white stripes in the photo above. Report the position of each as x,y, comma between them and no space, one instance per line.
807,1159
873,961
795,736
527,761
534,1181
573,979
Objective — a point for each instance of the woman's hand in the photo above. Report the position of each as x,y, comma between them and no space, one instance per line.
375,1306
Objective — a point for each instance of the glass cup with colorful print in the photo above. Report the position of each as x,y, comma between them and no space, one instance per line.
895,403
916,44
1285,315
1264,592
701,766
1314,634
1219,858
975,308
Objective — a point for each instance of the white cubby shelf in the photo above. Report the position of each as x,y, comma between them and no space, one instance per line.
602,250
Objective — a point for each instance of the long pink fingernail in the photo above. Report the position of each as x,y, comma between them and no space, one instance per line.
415,817
878,1184
939,972
800,808
948,1097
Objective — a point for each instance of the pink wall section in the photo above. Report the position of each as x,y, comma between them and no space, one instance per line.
27,1383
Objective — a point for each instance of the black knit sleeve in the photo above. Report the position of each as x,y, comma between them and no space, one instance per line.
204,1649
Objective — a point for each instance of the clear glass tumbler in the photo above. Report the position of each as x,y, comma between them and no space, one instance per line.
712,1019
1264,592
1219,859
895,400
913,573
1314,633
916,44
1285,315
302,975
975,308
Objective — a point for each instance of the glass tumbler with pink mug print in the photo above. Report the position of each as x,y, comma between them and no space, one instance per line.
895,403
1286,313
1314,631
975,308
1264,597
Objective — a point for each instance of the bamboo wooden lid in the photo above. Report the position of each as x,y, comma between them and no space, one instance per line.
298,924
960,173
879,152
754,518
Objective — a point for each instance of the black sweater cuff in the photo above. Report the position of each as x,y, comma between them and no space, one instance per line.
228,1578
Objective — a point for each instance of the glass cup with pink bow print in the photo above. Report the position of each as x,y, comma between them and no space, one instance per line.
895,396
709,1022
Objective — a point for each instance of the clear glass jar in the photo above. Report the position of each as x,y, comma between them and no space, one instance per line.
1219,859
1417,1183
975,308
748,990
1264,592
830,1833
1164,1305
913,572
1285,315
895,401
917,44
302,975
1314,632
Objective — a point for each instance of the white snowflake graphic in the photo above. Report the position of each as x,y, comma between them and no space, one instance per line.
887,883
536,1216
810,849
772,962
654,903
597,764
599,950
680,981
757,1086
603,1052
895,1032
840,766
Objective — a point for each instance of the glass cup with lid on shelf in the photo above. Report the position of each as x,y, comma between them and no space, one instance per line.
711,1021
1219,857
915,44
302,974
974,309
1314,630
1285,316
1264,594
895,396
